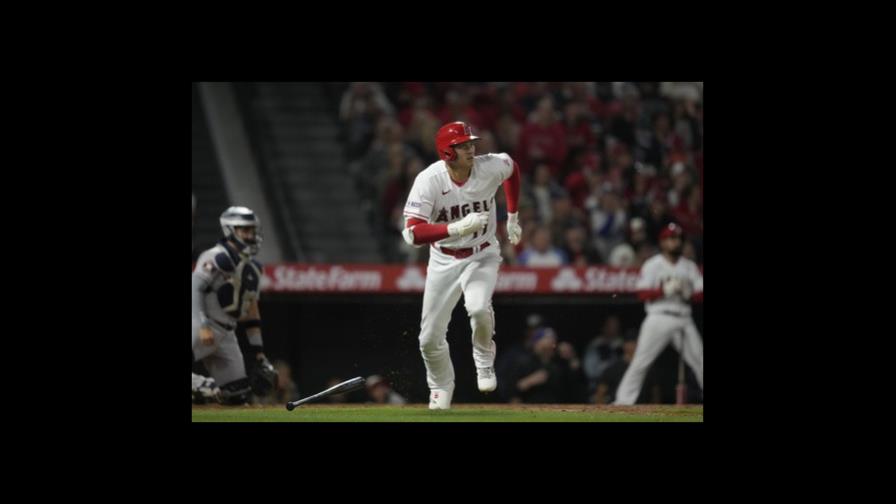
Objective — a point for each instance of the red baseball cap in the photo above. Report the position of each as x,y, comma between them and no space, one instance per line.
671,229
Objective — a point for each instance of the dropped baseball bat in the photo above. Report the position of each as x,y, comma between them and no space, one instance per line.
681,389
346,386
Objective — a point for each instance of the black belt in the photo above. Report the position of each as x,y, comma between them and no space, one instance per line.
674,314
461,253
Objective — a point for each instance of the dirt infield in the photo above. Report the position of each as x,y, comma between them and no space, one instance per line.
458,413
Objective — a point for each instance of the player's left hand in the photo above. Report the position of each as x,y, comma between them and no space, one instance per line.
514,231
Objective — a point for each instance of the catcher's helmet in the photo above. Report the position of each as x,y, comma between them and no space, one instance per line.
452,134
671,229
237,216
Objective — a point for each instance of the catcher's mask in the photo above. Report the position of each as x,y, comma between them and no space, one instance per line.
450,135
235,217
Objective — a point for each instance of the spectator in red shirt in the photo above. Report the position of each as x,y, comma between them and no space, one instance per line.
577,183
542,140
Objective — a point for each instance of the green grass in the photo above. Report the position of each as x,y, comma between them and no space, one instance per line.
458,413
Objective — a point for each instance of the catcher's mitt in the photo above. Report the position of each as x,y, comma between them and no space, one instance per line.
263,377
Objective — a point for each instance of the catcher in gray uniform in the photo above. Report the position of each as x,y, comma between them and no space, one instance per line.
224,296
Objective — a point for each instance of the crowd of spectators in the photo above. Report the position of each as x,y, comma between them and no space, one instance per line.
605,165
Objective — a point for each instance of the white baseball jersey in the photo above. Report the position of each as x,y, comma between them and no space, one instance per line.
668,321
658,269
437,199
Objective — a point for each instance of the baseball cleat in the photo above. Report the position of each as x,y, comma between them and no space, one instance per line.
440,399
486,379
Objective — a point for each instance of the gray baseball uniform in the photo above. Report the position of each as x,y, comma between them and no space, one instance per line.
224,286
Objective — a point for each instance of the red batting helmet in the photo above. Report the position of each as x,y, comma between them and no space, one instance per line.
671,229
452,134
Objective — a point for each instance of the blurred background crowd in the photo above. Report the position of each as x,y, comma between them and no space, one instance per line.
605,164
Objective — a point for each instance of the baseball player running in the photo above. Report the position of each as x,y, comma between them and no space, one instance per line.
451,207
224,294
667,284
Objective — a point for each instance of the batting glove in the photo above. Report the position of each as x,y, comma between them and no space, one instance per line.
514,231
472,223
671,287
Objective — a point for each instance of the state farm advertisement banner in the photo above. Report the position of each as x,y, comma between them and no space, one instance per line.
389,279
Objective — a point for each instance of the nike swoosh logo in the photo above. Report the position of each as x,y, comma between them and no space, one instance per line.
446,192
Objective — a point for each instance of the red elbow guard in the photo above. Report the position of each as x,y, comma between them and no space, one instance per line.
427,233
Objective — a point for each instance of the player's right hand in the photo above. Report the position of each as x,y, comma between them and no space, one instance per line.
472,223
206,337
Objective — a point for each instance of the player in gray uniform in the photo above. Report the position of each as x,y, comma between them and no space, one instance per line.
225,295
